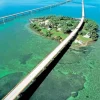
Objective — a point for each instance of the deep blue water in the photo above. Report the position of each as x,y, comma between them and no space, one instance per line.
92,8
11,9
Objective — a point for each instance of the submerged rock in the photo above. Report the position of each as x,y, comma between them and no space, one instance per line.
58,86
74,94
25,58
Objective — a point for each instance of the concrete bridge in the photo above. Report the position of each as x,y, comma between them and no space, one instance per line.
20,87
5,19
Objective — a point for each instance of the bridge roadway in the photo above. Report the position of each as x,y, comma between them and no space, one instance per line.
19,88
4,18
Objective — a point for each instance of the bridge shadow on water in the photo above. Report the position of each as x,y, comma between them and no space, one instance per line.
33,87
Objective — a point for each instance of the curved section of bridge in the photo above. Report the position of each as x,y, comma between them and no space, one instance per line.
19,88
9,17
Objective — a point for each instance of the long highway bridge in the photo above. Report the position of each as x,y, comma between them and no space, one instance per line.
5,19
20,87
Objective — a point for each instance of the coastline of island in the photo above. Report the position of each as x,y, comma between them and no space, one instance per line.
59,27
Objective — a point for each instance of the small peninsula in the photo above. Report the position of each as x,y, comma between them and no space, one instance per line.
59,27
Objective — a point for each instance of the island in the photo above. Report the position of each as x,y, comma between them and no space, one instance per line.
59,27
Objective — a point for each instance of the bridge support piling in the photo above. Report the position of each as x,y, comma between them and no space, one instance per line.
31,12
50,8
3,21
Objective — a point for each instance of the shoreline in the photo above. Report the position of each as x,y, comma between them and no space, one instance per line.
73,46
60,27
82,45
38,33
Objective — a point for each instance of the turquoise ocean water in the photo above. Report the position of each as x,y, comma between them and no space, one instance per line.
21,50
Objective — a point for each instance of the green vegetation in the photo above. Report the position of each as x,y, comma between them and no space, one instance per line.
56,27
91,29
59,27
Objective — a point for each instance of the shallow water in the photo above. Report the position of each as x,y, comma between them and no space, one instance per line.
21,50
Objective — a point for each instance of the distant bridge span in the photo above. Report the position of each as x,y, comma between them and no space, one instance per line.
20,87
4,19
